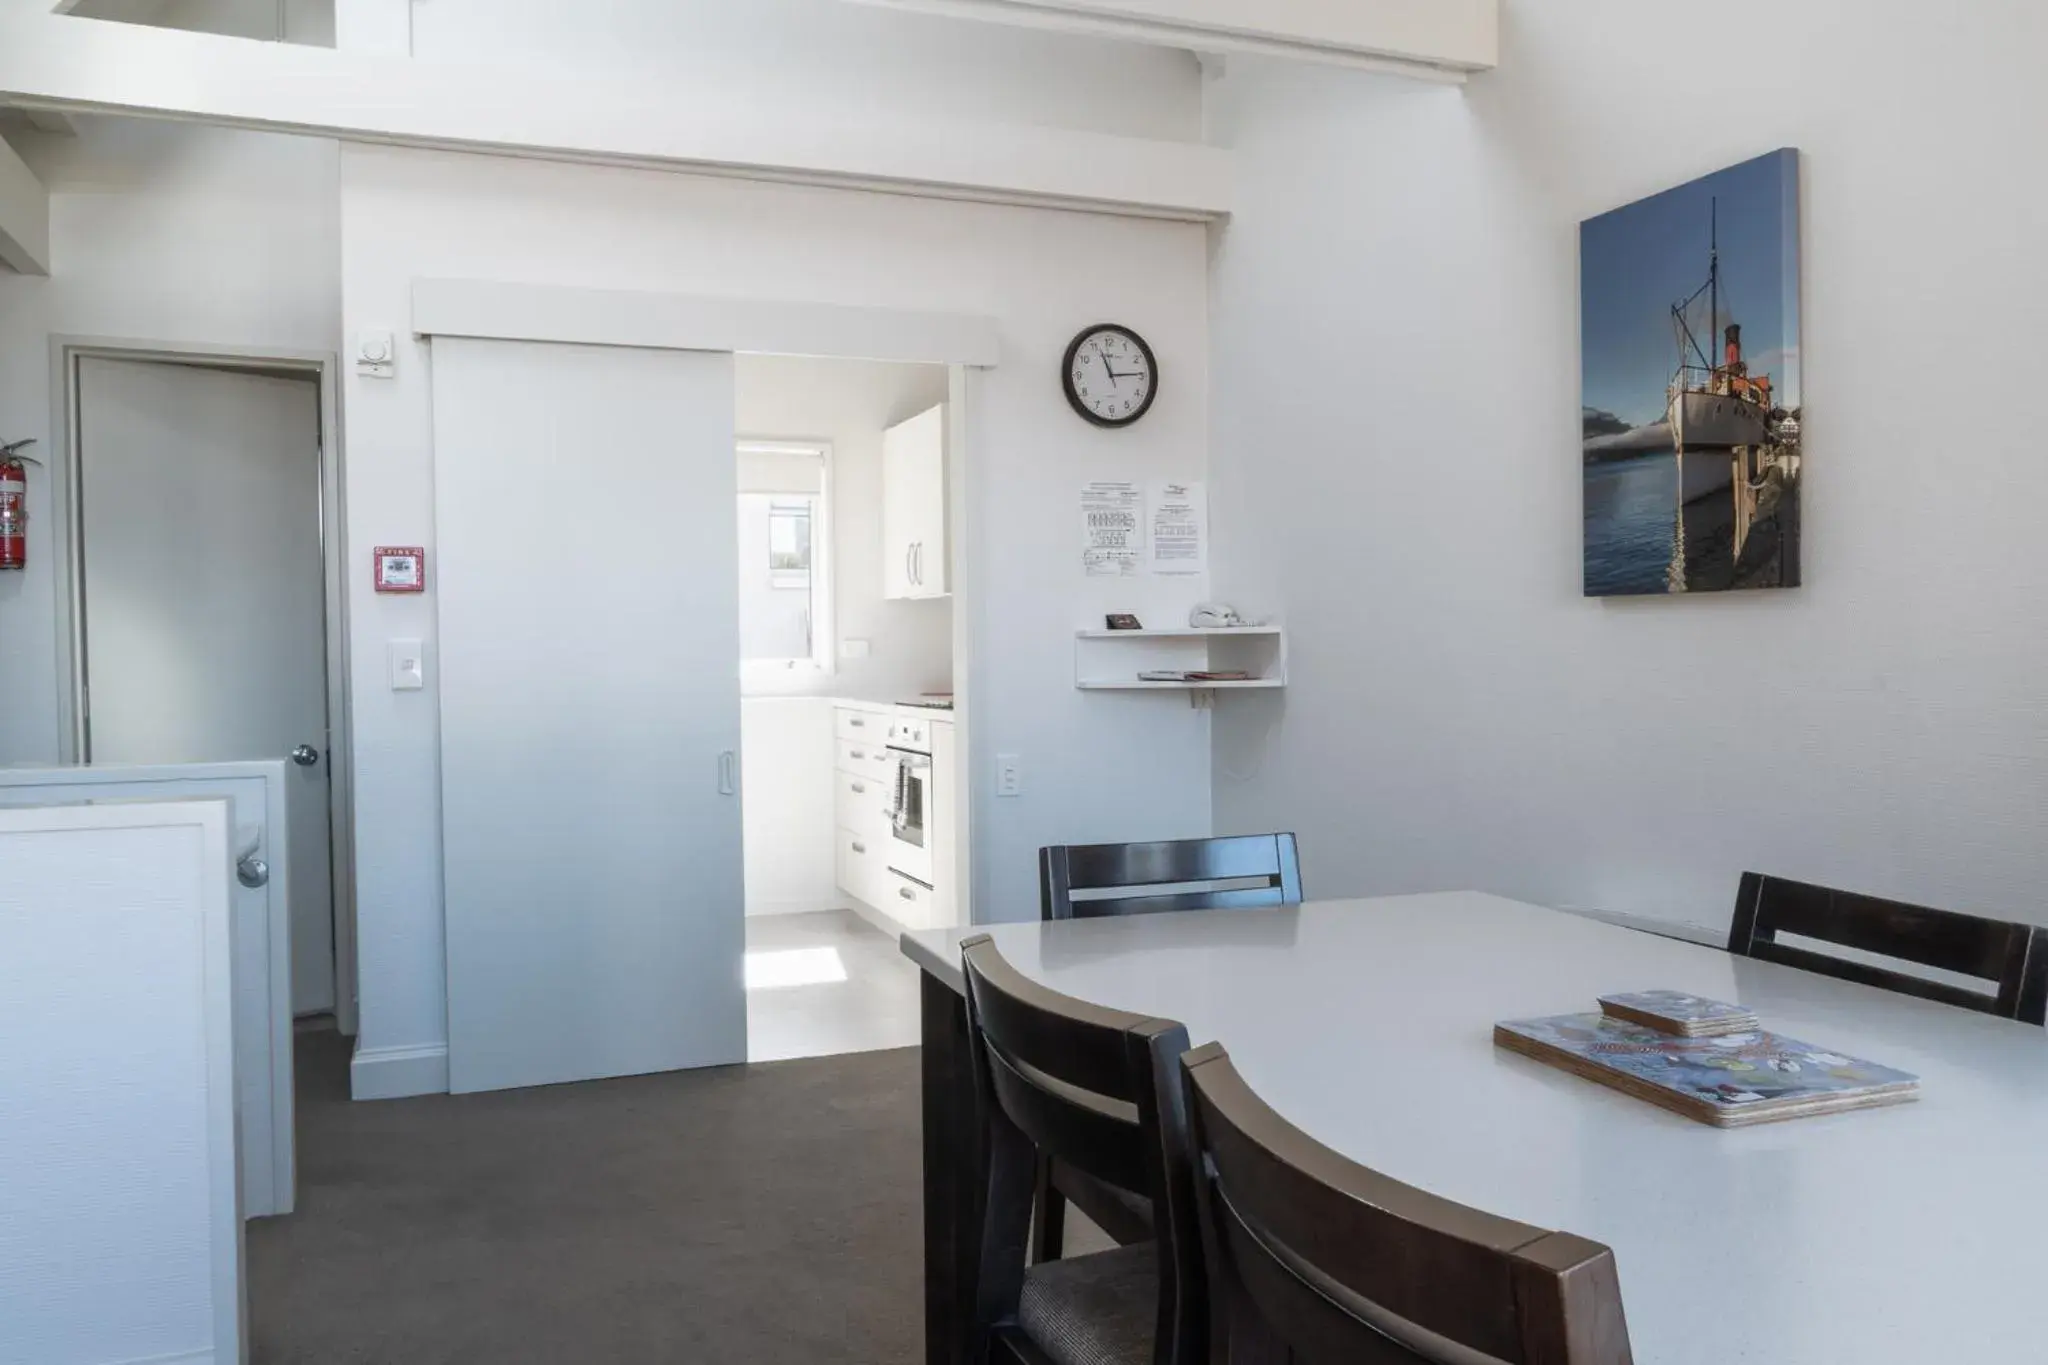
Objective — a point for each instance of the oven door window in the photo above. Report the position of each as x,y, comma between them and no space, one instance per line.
912,783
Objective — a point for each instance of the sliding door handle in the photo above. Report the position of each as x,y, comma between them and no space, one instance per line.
728,773
917,558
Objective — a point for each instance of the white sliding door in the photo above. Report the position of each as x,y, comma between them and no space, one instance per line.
590,720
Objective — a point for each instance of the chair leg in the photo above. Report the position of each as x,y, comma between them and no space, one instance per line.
1048,1216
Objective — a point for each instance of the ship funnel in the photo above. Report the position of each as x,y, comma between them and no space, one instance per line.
1734,349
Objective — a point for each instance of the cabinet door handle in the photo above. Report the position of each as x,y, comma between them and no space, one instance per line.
909,574
859,788
906,893
728,773
858,753
859,847
856,722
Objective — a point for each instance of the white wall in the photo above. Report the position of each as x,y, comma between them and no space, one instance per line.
830,55
850,403
1095,766
1397,460
159,233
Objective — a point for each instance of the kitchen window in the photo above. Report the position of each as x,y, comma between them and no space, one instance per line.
785,561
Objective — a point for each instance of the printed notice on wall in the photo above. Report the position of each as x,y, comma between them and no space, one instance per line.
1180,528
1113,523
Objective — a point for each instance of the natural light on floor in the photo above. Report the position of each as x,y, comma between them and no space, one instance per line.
794,967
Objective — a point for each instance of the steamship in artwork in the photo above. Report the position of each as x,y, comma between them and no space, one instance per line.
1689,324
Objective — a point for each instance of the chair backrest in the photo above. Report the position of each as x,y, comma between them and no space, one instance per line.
2012,957
1099,1090
1338,1263
1249,870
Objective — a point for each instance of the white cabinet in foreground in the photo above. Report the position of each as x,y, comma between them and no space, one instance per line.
123,1231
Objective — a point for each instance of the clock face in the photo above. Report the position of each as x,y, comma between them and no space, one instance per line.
1111,377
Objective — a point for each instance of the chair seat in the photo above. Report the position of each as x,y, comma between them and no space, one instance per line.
1101,1309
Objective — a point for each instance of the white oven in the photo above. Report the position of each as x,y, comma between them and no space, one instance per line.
910,834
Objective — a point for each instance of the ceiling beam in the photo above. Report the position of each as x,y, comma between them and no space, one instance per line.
1437,40
89,66
24,216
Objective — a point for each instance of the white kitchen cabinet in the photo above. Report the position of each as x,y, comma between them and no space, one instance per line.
914,545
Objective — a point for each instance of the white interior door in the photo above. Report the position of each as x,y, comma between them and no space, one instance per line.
589,682
204,596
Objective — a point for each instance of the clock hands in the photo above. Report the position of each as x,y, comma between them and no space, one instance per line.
1113,375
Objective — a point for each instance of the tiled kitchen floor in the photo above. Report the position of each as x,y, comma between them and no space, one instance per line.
826,983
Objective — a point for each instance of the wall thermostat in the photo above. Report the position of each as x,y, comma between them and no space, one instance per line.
376,354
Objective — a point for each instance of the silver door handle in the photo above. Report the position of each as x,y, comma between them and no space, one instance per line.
856,722
858,846
252,872
728,773
859,789
305,755
906,893
909,564
859,753
917,551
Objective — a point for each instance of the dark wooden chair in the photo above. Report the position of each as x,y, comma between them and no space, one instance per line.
1315,1260
1128,876
2012,957
1100,1090
1244,872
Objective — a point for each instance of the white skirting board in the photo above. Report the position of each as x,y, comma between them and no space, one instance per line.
394,1073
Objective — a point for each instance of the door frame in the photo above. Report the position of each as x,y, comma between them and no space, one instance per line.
68,542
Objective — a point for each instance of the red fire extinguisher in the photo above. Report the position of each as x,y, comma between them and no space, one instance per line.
13,506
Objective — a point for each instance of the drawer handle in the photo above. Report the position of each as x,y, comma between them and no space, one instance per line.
859,753
859,847
906,893
859,788
856,722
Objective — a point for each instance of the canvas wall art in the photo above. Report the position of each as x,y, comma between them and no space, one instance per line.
1689,374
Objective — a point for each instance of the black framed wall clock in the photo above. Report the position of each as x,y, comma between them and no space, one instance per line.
1110,375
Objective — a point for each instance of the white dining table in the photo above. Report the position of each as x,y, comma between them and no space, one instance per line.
1910,1235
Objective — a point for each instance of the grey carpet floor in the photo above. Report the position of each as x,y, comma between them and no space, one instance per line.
763,1213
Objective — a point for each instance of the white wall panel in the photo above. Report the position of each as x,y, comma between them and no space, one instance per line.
1097,766
1398,470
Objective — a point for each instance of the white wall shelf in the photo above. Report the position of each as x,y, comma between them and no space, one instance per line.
1185,633
1112,660
1140,685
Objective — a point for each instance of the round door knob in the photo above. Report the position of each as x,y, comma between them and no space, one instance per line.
305,755
252,871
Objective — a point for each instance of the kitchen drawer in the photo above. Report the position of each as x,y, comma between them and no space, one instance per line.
861,804
861,727
909,903
860,864
867,759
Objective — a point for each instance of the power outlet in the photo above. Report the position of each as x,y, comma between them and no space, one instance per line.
1009,775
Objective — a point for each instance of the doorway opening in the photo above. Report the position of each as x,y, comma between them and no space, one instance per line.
200,611
850,804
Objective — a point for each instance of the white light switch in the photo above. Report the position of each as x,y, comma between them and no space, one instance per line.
1009,775
408,665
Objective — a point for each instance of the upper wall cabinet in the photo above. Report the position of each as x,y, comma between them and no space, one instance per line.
914,546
